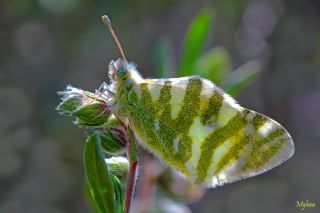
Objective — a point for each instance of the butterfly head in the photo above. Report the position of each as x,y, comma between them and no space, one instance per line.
121,70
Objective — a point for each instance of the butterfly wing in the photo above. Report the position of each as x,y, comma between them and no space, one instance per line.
196,128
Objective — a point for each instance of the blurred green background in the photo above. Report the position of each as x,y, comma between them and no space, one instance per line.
45,45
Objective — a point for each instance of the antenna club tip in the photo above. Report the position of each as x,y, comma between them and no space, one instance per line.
105,19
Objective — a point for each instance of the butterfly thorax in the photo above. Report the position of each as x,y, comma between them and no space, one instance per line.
124,80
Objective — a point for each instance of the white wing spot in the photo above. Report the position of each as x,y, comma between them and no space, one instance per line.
157,125
227,111
196,132
249,129
207,89
212,182
251,115
231,101
266,128
154,90
137,90
176,144
193,161
218,154
176,101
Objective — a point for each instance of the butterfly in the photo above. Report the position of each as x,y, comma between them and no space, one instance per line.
193,126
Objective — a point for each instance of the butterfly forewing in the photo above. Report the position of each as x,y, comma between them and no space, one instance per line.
192,125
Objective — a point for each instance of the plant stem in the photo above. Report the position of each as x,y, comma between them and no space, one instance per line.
132,156
130,186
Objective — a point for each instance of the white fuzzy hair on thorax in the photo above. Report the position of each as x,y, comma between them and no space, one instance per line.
114,66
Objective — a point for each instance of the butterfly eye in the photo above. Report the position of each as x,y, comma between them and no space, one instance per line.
122,73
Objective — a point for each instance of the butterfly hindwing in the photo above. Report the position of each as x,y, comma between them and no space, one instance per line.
192,125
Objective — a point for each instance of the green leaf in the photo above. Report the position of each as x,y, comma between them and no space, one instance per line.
98,176
113,121
194,41
118,166
163,59
241,77
119,193
89,197
70,104
110,144
91,115
214,65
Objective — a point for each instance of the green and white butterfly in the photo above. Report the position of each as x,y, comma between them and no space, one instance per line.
194,126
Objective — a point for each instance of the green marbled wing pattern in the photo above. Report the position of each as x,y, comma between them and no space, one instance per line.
193,126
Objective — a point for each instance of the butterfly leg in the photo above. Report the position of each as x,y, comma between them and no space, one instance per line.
101,94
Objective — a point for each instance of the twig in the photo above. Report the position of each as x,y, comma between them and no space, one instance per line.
133,160
130,186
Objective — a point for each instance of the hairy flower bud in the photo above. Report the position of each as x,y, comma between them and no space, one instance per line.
118,166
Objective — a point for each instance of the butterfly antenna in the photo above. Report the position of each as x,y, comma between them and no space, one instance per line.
106,21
